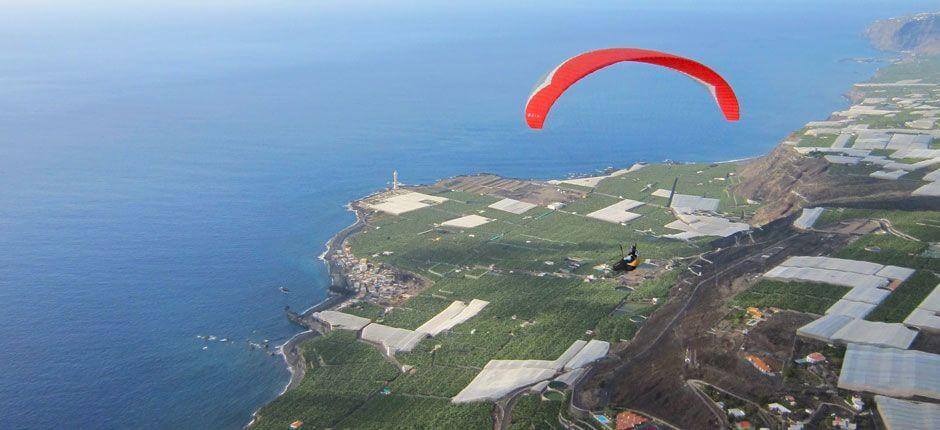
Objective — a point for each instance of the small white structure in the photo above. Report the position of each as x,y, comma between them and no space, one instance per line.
661,193
933,176
341,321
871,140
618,212
842,140
895,272
594,350
838,271
841,159
512,206
862,332
900,414
930,189
808,218
398,339
393,339
902,142
823,329
851,152
855,111
922,123
846,329
688,203
458,312
916,153
501,377
867,295
828,124
569,353
703,225
927,314
891,175
891,372
571,376
841,264
468,221
592,181
778,408
850,308
400,203
880,160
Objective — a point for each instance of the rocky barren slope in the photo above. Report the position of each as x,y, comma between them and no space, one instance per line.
787,181
919,34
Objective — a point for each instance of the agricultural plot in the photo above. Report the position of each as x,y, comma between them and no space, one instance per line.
926,69
924,225
897,120
532,412
512,242
704,180
342,374
890,249
797,296
435,381
365,310
403,411
529,317
823,140
905,298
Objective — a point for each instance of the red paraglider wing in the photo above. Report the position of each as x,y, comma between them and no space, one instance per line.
573,69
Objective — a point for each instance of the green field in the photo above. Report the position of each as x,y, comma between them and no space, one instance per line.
342,374
825,140
905,298
925,68
708,180
529,316
797,296
532,412
526,242
365,310
889,248
924,225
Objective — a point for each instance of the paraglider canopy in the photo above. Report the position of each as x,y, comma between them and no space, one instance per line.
575,68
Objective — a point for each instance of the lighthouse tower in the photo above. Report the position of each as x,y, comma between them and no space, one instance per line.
394,179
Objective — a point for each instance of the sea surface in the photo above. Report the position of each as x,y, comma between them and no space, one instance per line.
164,169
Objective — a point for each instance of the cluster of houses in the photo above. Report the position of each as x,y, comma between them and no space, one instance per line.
374,282
878,358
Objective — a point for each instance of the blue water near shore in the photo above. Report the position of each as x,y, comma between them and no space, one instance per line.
163,170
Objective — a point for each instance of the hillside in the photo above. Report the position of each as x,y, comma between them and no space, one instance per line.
919,34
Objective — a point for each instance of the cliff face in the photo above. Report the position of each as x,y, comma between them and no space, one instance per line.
786,182
919,34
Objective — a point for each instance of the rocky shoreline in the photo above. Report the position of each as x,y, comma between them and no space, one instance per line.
339,293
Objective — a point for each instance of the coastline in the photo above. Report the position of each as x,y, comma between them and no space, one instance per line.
290,349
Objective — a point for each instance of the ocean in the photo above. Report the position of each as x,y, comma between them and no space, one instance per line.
165,169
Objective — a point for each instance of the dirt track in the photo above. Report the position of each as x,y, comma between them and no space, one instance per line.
652,371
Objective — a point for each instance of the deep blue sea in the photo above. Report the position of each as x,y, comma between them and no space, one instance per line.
165,168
